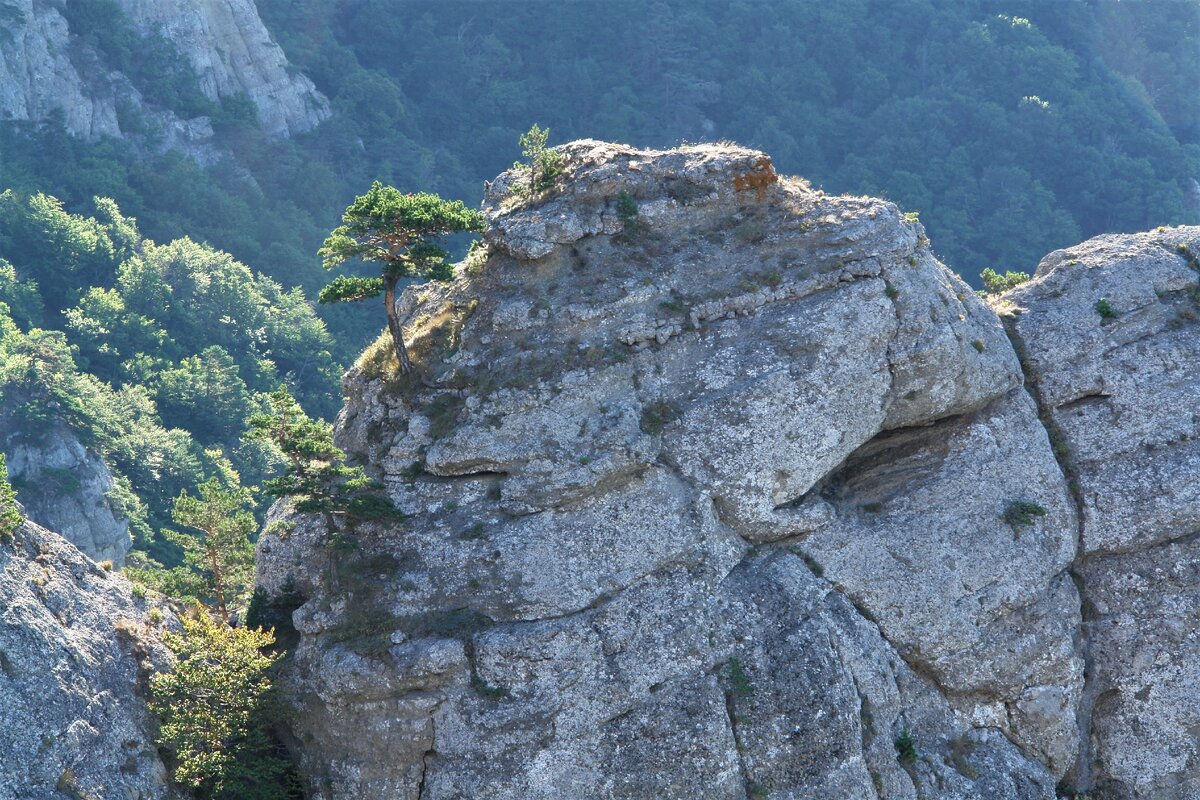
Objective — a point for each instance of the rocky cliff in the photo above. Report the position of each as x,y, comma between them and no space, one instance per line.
747,496
45,68
69,489
75,649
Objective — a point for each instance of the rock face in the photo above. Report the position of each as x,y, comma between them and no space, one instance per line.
75,647
67,488
225,42
1107,330
742,497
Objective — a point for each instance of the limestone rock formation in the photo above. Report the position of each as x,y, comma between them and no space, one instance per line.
743,497
1107,331
231,51
67,488
75,650
225,42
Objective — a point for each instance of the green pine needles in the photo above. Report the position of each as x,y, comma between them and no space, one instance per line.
316,475
542,164
214,706
995,283
10,517
401,232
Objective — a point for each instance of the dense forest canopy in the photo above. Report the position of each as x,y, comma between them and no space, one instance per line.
163,297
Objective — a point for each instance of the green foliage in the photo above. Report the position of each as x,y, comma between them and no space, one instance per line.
41,386
219,549
64,253
10,517
542,164
1105,309
738,681
214,707
21,297
206,395
1020,513
397,229
995,283
170,353
315,475
627,212
400,231
906,748
345,288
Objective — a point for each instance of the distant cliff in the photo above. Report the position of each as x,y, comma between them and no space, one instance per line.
89,76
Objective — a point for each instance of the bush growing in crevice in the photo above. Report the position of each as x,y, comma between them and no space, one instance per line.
1020,514
215,706
995,283
906,748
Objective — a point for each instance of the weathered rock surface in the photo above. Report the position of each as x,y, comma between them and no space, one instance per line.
706,505
225,42
75,647
66,488
1119,388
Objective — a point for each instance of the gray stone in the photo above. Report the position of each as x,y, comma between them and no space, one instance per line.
607,478
66,488
1119,393
75,651
226,43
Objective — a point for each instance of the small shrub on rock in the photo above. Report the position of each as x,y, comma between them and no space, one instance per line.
1020,514
995,283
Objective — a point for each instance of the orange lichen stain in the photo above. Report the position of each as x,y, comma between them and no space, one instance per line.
761,175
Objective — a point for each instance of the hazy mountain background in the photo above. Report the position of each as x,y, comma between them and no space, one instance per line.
1013,127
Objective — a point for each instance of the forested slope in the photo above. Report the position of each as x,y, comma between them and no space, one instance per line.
1012,126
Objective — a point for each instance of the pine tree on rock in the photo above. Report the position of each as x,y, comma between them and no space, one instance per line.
316,475
400,231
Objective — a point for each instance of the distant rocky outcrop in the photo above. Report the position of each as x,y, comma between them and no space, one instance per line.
748,496
76,648
224,41
69,489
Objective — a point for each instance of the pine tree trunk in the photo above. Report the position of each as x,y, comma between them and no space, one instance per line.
218,584
389,297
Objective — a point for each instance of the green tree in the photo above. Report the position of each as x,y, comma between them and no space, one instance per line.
995,283
315,475
400,231
222,553
10,517
542,163
214,710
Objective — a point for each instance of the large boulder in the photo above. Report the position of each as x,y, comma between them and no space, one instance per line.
706,503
